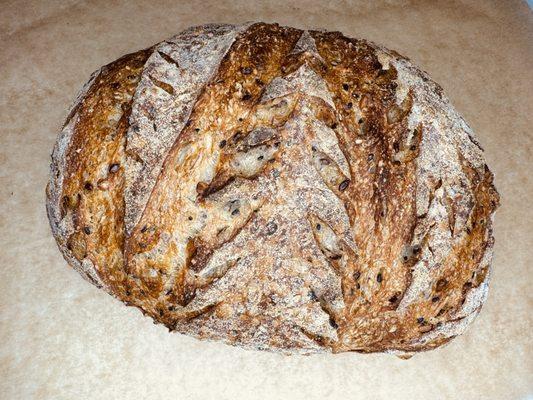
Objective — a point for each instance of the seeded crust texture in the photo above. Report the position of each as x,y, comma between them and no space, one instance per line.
277,189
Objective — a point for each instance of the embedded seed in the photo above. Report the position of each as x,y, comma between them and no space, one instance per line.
114,168
272,227
236,136
441,284
201,187
396,147
344,184
234,207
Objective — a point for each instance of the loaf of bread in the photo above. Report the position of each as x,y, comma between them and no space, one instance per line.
277,189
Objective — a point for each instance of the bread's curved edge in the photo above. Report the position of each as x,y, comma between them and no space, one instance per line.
63,155
54,187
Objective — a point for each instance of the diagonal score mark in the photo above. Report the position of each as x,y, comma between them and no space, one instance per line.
212,99
168,59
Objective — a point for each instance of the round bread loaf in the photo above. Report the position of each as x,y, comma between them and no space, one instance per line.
277,189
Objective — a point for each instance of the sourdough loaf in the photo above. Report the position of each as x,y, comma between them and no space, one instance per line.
277,189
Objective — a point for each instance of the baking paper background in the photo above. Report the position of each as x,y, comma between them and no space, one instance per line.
61,338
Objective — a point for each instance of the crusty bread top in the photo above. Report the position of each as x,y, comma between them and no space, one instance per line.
277,189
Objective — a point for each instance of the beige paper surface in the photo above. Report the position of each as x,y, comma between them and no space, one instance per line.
61,338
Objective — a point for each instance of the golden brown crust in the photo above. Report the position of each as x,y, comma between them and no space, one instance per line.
90,202
312,193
